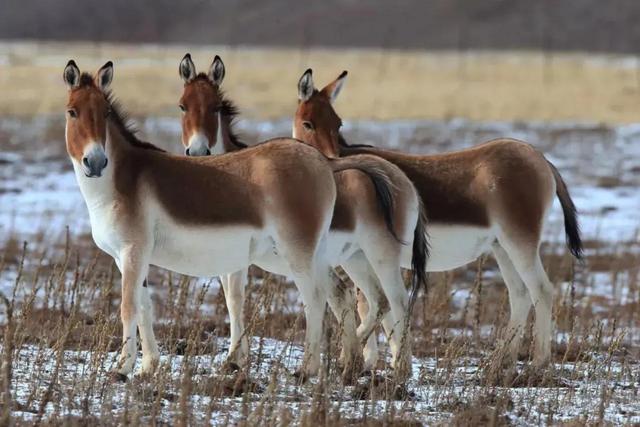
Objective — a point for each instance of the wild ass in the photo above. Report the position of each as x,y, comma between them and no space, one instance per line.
202,216
364,239
493,196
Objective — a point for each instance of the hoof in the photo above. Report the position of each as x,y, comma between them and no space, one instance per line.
117,377
350,375
401,392
301,376
367,373
230,367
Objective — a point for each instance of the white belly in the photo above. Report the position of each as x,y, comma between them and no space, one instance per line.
340,246
452,246
204,251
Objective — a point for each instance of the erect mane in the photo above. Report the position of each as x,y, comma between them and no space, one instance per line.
229,112
124,125
343,143
86,79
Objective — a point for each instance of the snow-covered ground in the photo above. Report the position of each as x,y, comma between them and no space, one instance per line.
437,390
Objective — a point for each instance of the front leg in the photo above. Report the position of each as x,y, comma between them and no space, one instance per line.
150,353
134,266
234,286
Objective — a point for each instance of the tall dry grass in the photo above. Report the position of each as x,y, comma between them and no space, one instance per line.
61,337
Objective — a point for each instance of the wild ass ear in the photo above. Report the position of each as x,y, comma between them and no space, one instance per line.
71,74
216,71
105,76
305,86
333,89
187,68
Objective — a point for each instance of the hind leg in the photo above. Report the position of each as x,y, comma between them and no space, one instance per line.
526,260
234,287
372,304
519,302
370,351
314,300
400,338
342,303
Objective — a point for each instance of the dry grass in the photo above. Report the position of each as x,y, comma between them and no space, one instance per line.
61,337
382,84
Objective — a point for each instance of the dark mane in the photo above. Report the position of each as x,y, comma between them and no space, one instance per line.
343,143
124,125
229,111
86,79
118,116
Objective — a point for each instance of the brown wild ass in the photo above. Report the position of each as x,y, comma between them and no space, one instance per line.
364,239
202,216
493,196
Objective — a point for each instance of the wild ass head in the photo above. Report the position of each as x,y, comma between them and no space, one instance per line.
316,122
201,104
87,110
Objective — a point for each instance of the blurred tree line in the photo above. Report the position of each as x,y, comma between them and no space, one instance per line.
559,25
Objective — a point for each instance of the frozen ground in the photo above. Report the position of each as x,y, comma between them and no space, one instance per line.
437,390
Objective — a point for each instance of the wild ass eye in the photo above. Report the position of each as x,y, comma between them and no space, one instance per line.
72,113
307,125
182,108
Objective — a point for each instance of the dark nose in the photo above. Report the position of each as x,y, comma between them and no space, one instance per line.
94,165
208,152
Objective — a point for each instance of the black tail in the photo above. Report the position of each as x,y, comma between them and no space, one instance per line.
571,226
419,257
370,165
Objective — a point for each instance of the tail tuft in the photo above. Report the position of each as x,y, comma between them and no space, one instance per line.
571,226
419,257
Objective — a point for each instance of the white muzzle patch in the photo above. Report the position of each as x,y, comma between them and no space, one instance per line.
198,145
94,160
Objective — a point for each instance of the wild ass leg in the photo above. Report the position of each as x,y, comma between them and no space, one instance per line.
150,353
372,304
234,286
314,300
519,302
526,260
370,351
134,266
400,338
342,303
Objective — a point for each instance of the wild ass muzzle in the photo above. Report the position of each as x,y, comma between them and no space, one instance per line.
377,213
494,196
241,209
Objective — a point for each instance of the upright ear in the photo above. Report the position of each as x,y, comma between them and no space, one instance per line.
216,71
71,74
305,86
105,76
333,89
187,68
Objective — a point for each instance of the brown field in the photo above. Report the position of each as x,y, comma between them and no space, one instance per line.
383,84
